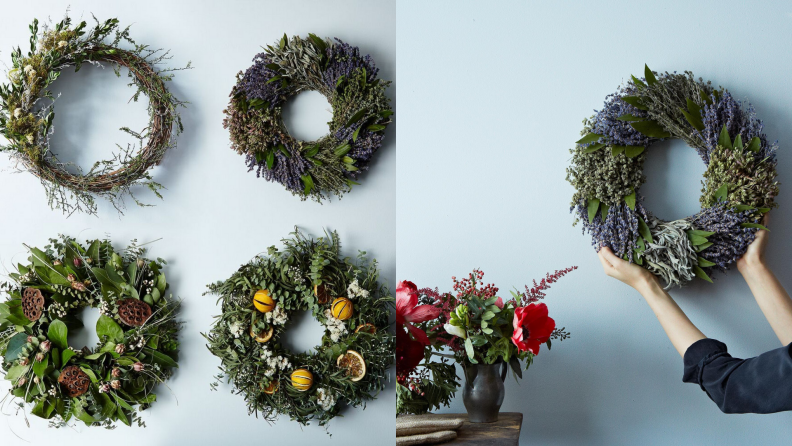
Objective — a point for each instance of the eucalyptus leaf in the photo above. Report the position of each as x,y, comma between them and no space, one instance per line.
651,129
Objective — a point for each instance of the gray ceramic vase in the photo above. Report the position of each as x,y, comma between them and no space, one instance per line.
483,391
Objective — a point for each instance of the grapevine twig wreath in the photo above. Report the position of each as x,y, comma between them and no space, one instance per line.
344,294
26,121
361,112
137,332
739,184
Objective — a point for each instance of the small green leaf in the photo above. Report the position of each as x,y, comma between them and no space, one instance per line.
630,200
272,79
283,41
696,240
701,274
110,328
755,144
700,233
270,159
593,206
604,208
357,117
308,182
342,150
616,150
724,139
594,147
764,210
694,122
650,128
705,97
66,355
700,248
469,350
738,144
58,334
638,83
633,151
704,263
589,138
722,192
650,77
355,135
635,101
629,117
754,225
312,151
644,230
743,207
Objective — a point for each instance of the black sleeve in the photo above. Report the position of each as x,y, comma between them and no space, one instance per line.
756,385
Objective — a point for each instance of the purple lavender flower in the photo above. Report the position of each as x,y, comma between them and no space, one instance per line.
254,82
618,231
730,240
343,59
363,148
285,170
727,111
619,132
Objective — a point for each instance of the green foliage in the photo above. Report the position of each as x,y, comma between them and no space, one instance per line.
72,276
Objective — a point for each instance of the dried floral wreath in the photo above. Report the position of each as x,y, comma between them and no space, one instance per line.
137,332
26,118
361,112
349,366
739,184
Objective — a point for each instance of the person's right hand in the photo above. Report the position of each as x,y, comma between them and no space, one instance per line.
627,272
754,256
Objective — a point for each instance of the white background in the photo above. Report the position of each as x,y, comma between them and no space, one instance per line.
215,215
491,97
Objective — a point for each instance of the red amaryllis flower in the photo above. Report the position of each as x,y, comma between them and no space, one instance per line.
409,354
532,327
408,310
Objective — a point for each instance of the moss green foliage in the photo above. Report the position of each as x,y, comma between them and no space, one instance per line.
749,181
27,112
290,276
126,366
603,176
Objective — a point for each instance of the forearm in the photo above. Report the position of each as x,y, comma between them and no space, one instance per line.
676,324
772,298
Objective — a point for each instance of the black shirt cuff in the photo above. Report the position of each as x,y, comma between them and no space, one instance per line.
698,355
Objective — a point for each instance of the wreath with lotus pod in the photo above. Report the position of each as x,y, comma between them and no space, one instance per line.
739,184
27,113
361,113
137,332
345,295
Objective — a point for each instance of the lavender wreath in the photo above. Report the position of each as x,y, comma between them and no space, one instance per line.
739,184
361,112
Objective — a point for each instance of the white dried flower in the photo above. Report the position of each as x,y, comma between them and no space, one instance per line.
62,44
17,112
28,69
277,316
30,139
336,327
236,329
325,399
354,290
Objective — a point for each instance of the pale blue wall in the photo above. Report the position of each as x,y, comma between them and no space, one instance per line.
491,98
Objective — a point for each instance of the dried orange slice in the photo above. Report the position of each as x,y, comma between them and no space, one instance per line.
271,388
367,328
322,296
261,337
354,364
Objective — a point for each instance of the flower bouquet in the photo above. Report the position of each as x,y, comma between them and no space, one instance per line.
485,334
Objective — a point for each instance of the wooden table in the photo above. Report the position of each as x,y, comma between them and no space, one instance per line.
504,432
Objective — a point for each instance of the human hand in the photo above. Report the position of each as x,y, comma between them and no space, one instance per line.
627,272
754,256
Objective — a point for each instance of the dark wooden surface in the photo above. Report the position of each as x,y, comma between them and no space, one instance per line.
504,432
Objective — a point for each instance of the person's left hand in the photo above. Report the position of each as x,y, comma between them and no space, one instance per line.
627,272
